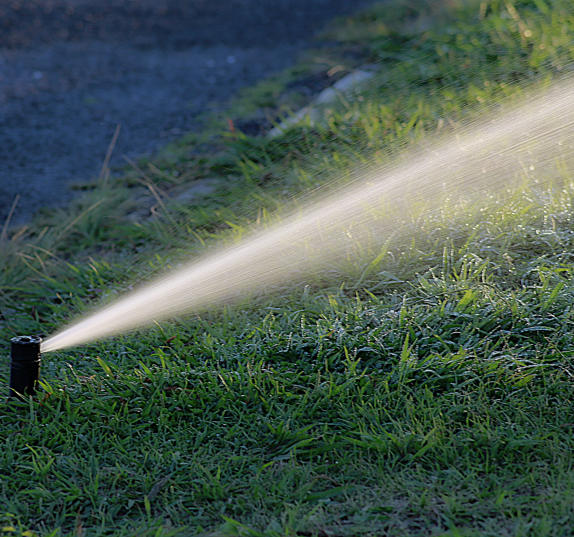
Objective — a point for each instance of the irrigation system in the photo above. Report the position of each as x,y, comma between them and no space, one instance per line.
530,141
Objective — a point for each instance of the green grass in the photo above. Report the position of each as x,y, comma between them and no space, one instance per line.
425,390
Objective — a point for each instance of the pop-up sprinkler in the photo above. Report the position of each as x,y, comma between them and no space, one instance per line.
25,366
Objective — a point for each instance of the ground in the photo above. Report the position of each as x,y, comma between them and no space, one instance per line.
72,70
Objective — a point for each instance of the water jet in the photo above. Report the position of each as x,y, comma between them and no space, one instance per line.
493,154
25,366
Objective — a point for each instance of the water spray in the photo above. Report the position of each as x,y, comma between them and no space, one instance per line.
25,366
534,136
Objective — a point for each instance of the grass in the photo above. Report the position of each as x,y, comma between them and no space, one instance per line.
427,390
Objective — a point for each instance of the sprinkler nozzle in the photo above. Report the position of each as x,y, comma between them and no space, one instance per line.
25,366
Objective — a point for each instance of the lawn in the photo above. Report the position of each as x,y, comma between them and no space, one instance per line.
422,387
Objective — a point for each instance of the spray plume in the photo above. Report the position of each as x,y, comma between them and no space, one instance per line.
487,156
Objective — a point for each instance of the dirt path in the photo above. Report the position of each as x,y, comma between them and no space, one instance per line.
71,70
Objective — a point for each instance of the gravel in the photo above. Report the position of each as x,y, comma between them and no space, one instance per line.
72,70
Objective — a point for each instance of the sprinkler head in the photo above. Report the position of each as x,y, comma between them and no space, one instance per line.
25,366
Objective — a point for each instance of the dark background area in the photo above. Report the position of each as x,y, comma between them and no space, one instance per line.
71,70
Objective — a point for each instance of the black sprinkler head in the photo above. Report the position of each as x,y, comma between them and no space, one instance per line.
25,366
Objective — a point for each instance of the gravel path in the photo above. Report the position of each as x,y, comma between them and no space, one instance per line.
71,70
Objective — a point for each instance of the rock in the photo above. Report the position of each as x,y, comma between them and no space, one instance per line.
347,86
198,189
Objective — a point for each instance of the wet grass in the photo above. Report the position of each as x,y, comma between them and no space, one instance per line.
422,389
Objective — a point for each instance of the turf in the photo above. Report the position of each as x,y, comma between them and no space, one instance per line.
422,389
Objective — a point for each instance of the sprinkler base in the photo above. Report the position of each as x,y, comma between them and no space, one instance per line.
25,366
